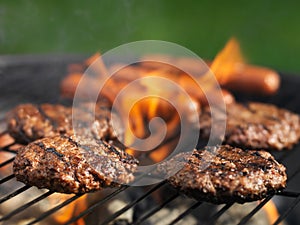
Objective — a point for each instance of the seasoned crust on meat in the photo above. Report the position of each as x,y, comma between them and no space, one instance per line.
26,123
61,164
30,122
225,174
255,125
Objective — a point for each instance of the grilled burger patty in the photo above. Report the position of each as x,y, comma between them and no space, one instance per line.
30,122
60,164
255,125
224,174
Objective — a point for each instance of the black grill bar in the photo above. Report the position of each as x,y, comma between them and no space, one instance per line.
291,194
255,210
288,211
5,179
217,215
258,207
147,215
7,146
227,206
155,209
152,212
6,149
287,97
284,156
25,206
99,203
53,210
7,162
15,193
186,212
133,203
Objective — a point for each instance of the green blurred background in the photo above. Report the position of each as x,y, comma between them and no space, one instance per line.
269,31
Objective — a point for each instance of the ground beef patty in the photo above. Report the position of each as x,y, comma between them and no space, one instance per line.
255,125
28,122
60,164
224,174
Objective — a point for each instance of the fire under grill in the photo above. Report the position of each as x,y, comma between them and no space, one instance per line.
24,79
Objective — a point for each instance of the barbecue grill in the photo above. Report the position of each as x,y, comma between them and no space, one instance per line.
36,79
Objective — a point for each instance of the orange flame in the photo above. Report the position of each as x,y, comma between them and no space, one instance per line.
223,65
143,111
271,211
69,211
227,61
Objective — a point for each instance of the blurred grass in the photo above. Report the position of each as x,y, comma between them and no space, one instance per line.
269,31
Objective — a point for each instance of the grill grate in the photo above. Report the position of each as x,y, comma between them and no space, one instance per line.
186,212
25,206
287,97
151,212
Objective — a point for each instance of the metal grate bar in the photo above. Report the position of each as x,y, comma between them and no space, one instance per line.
220,213
185,213
289,194
5,179
288,211
15,193
6,149
27,205
99,203
7,162
56,208
255,210
292,103
133,203
155,210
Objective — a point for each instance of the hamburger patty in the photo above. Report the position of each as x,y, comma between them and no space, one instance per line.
254,125
30,122
61,164
224,174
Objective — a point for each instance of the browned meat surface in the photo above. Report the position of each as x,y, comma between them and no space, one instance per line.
256,126
225,174
29,122
60,164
